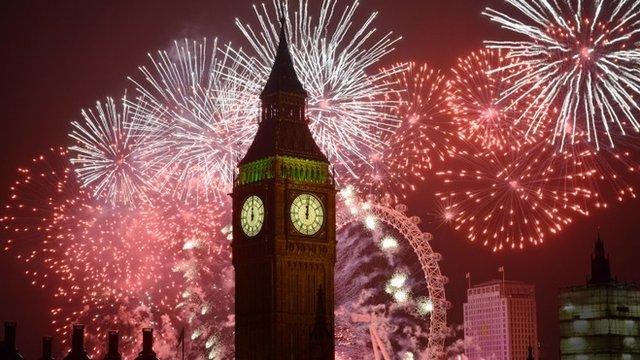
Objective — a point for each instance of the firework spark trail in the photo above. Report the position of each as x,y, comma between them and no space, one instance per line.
40,191
106,156
423,137
578,60
195,122
608,173
475,88
513,198
116,267
350,111
167,284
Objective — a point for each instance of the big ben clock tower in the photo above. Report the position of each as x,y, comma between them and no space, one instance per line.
284,242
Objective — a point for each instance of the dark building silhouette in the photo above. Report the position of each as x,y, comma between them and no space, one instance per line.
600,320
147,352
284,230
47,348
113,339
320,335
77,344
8,349
530,353
600,267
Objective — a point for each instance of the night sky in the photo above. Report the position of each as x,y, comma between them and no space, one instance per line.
60,56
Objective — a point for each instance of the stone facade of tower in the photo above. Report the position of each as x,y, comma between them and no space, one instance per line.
284,241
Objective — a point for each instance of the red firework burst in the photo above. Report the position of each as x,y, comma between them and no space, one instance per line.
513,198
474,100
422,138
120,267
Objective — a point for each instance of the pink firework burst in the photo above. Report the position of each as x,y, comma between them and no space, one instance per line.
513,198
610,173
578,59
121,268
422,139
474,99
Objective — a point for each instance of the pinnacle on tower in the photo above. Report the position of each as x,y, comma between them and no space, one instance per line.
8,349
283,77
320,327
530,353
320,336
600,267
9,342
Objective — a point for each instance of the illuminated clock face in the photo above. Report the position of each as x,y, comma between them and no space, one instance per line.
252,215
307,214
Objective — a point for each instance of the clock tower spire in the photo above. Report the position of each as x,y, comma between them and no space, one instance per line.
284,243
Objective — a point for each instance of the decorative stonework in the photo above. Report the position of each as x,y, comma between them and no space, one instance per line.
284,167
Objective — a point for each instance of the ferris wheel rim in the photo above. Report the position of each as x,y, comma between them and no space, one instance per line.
428,259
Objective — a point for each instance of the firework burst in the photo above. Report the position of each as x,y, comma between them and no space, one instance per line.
422,138
608,173
196,122
475,88
106,154
577,60
41,189
119,267
350,110
515,197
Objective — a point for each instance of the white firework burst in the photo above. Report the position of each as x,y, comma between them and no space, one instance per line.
106,156
349,106
196,122
578,60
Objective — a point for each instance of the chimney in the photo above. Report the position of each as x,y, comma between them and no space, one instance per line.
147,340
77,344
47,348
77,338
10,335
8,350
147,352
112,347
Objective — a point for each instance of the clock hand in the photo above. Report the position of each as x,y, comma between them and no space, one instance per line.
306,214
